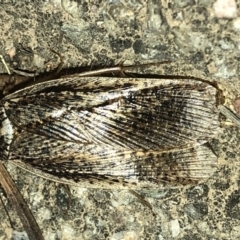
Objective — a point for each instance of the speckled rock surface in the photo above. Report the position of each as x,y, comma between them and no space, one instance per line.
201,38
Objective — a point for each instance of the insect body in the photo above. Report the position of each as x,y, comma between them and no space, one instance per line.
99,132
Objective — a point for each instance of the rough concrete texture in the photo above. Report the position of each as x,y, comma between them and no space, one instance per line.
201,38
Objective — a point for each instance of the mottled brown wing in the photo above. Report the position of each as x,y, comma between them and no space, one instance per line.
140,132
101,166
134,114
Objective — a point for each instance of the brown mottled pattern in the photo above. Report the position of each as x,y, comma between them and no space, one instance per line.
103,131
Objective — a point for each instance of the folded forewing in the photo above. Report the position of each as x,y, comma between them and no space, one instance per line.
148,114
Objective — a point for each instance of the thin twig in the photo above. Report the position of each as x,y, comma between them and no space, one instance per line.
14,196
